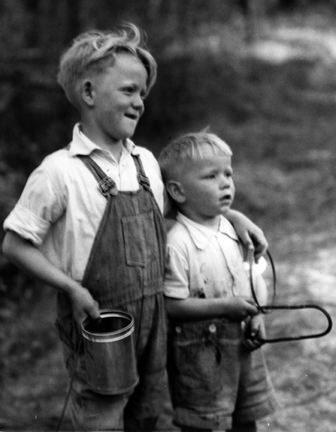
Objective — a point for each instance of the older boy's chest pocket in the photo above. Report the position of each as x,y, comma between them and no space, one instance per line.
140,239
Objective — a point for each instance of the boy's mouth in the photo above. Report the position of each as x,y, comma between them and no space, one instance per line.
226,198
132,116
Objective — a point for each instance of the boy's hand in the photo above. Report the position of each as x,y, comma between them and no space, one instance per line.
83,304
254,241
239,308
250,234
255,332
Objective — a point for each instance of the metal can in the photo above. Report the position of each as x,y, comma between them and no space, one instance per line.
110,352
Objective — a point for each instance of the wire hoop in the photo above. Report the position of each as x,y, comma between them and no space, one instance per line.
270,307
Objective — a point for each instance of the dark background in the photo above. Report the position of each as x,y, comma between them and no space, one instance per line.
261,74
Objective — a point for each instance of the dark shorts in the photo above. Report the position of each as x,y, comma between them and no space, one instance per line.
214,378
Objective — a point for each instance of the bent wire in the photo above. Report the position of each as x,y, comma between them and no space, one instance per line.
270,307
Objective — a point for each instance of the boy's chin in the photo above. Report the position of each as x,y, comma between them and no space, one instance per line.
225,210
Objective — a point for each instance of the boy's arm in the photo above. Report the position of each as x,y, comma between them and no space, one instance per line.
249,233
28,258
235,308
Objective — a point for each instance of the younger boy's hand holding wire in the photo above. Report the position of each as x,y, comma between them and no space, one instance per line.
255,332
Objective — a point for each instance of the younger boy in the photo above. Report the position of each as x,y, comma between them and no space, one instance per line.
89,223
217,380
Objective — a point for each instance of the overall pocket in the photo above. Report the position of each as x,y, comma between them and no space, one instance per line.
197,375
140,239
205,355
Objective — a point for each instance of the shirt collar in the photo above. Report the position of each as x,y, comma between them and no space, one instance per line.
202,235
82,145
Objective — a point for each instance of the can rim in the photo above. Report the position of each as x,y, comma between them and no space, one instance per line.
106,313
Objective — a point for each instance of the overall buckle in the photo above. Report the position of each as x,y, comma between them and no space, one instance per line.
108,187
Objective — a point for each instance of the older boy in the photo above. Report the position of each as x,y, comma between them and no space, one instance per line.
89,223
217,382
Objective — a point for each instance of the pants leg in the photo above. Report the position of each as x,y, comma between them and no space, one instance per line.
146,404
91,411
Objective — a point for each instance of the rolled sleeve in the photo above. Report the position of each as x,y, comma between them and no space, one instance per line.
176,283
27,225
38,207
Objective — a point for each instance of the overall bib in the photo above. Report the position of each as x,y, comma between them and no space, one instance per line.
125,272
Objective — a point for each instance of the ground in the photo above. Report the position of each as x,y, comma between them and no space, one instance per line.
303,372
34,381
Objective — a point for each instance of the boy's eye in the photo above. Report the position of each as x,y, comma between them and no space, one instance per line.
132,90
210,176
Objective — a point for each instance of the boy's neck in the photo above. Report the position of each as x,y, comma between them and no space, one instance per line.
115,149
105,143
211,223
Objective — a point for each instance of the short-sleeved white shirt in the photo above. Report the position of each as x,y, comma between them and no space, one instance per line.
203,263
60,208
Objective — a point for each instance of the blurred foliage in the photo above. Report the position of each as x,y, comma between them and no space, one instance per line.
275,115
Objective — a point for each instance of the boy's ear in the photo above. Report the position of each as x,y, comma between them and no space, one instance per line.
87,92
175,190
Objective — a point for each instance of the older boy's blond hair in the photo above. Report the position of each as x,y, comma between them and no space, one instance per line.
93,51
174,158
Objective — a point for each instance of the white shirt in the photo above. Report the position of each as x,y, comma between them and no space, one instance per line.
204,263
60,208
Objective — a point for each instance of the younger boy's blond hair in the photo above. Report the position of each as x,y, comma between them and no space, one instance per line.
93,51
174,158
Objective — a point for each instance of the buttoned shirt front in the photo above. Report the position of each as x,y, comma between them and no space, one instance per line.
60,208
204,263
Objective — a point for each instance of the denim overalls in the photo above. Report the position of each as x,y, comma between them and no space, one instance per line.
125,272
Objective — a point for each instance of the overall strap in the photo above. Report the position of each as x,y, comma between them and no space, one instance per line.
142,178
106,185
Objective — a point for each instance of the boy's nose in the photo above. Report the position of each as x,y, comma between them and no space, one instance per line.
138,102
224,183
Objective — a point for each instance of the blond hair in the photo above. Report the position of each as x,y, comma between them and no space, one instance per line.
93,51
176,155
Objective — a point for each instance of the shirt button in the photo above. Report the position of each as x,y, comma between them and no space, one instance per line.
178,329
212,328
